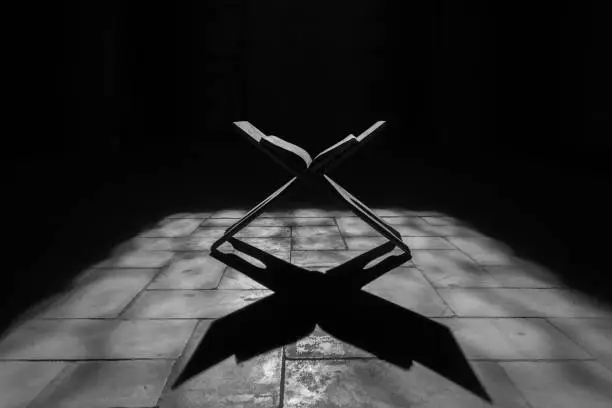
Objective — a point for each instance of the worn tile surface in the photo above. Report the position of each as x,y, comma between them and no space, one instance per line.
264,232
320,344
124,330
485,251
594,335
22,381
195,270
87,339
253,383
101,293
562,384
137,258
279,247
406,287
273,222
322,258
504,302
104,384
513,339
191,304
372,383
323,242
233,279
179,227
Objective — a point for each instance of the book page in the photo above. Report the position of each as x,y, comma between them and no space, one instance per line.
334,151
286,150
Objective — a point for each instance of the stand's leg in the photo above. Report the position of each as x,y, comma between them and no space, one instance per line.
252,214
367,215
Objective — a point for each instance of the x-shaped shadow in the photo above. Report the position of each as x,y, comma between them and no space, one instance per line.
336,302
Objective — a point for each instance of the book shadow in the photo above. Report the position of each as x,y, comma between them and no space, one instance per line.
334,301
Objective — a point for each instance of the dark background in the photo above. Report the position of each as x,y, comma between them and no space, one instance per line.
122,115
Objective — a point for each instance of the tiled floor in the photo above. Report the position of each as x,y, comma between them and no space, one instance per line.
129,325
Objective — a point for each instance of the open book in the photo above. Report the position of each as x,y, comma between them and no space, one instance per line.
299,159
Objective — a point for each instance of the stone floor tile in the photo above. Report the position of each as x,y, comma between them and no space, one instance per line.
84,339
390,212
410,231
440,220
229,214
512,339
364,243
232,279
209,232
277,250
354,226
219,222
151,244
273,222
409,221
315,231
373,383
22,381
196,215
173,228
137,259
320,344
275,246
277,214
309,221
414,243
451,268
190,270
594,335
504,302
192,304
427,243
254,383
102,293
311,213
485,251
562,384
200,240
524,275
319,242
104,384
322,258
407,288
264,232
402,212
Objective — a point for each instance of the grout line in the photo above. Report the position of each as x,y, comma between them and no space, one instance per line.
515,386
173,375
57,380
569,338
281,391
342,235
144,289
448,307
222,277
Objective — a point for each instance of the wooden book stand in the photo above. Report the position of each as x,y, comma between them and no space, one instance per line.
313,171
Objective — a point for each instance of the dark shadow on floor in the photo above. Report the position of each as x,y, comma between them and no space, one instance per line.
335,301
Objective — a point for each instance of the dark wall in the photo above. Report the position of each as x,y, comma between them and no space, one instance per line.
122,79
123,111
